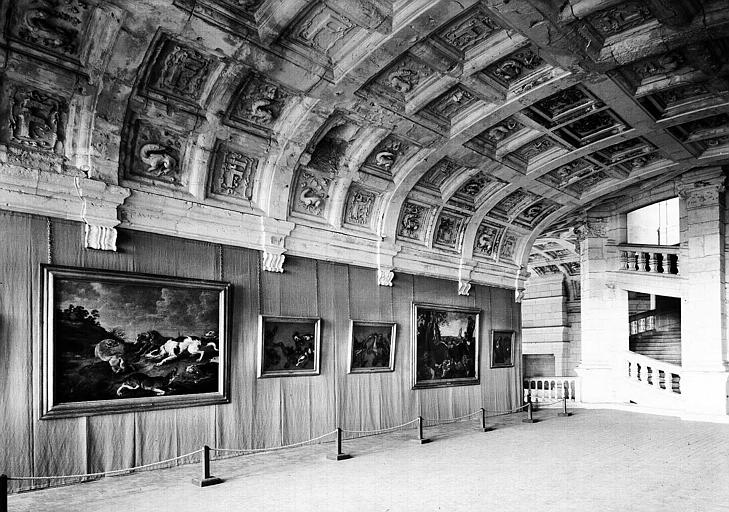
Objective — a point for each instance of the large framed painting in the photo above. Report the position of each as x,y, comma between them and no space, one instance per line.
445,346
288,346
119,341
502,349
371,346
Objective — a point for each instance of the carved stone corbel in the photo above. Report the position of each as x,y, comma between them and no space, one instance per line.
521,276
465,269
273,239
385,266
102,238
701,188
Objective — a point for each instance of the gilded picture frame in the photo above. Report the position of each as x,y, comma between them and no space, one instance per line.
445,345
288,346
120,341
372,346
502,348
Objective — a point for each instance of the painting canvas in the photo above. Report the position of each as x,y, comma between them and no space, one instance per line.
288,346
502,349
445,346
116,341
371,346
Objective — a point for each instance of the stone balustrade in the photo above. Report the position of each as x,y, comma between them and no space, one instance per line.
552,388
656,259
660,376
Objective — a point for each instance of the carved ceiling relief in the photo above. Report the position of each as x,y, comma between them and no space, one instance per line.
35,119
329,153
402,78
590,182
448,230
502,131
439,174
592,128
359,207
51,25
323,29
487,240
450,104
311,193
706,133
257,104
534,149
413,221
569,173
514,67
469,31
507,247
618,19
534,213
153,152
564,105
178,71
233,174
387,153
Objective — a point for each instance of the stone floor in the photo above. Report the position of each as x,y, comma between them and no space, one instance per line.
596,460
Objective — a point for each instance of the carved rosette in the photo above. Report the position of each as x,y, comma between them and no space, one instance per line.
258,103
178,71
413,221
233,173
35,118
359,207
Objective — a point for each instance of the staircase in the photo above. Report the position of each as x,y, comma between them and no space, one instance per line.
662,345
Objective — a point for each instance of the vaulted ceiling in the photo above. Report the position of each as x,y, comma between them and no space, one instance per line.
437,136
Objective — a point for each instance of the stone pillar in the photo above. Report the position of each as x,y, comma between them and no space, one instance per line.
604,309
703,309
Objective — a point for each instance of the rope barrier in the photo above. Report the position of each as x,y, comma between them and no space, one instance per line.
240,451
102,473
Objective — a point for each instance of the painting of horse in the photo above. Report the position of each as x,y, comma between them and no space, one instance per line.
371,346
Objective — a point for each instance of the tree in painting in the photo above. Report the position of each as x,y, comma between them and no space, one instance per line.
446,345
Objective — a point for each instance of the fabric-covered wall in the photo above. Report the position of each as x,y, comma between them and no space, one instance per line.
263,412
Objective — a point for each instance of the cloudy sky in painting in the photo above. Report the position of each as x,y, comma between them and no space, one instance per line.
456,321
138,308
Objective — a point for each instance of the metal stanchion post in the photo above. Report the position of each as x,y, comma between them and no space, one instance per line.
206,478
564,412
483,421
530,412
339,455
420,438
3,493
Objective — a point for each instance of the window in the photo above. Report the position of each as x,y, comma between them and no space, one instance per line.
655,224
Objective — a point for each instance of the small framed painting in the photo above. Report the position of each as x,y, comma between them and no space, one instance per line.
371,346
121,341
502,349
288,346
445,346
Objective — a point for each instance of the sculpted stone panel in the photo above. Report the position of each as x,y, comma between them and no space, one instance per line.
53,26
503,130
387,153
35,118
153,152
535,148
439,174
514,67
469,30
559,107
178,71
620,18
404,76
311,193
257,104
233,173
487,240
448,230
450,104
534,213
413,221
569,173
508,246
592,128
359,207
323,29
590,182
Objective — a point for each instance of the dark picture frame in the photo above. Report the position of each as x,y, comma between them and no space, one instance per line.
445,345
372,346
502,348
121,341
288,346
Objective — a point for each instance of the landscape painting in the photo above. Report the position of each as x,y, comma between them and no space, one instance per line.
502,349
288,346
445,346
117,341
371,346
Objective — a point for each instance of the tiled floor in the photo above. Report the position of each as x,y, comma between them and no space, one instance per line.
596,460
